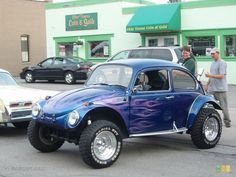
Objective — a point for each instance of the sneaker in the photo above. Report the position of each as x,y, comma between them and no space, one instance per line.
228,125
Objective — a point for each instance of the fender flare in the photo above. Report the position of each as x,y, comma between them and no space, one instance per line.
84,113
200,102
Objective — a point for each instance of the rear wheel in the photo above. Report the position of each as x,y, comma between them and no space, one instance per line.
29,77
40,139
21,125
69,77
206,130
100,144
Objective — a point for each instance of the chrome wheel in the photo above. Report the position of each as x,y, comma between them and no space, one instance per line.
211,128
69,78
105,145
28,77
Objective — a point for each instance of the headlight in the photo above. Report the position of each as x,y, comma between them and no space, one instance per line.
36,110
73,118
78,65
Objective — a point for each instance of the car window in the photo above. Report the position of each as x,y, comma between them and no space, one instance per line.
74,60
6,79
183,80
164,54
47,62
121,55
58,61
139,53
153,80
178,53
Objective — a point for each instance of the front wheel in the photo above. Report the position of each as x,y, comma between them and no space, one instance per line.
100,144
29,78
207,128
40,139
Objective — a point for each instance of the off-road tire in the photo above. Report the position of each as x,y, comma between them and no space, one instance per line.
86,144
39,143
197,130
21,125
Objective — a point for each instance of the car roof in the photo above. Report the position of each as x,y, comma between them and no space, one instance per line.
142,63
143,47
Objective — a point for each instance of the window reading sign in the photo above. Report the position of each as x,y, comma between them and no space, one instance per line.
81,22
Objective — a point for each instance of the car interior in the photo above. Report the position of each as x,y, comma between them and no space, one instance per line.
154,80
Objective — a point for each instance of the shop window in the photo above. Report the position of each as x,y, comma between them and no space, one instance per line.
25,48
230,45
168,41
66,50
99,49
152,42
201,46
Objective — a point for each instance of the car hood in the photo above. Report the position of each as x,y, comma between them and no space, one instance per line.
68,101
13,94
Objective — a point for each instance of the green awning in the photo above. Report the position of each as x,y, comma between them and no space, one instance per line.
155,19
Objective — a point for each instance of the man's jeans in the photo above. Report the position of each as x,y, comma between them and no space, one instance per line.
222,98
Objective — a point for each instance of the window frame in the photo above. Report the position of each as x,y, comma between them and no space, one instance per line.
152,91
27,46
224,46
183,90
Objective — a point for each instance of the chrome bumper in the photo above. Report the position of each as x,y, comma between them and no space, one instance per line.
16,116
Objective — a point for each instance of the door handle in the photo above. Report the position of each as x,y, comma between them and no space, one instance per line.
170,97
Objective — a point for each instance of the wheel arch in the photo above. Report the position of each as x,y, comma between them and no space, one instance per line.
105,113
199,103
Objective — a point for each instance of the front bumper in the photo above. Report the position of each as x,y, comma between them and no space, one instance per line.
16,116
22,75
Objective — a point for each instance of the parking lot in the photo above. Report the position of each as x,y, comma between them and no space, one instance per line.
166,155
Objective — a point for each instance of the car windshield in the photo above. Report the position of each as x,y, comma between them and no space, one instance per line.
6,79
111,75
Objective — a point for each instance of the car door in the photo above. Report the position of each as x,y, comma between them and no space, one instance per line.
42,71
56,69
185,90
151,106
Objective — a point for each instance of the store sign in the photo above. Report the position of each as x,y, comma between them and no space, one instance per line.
81,22
147,28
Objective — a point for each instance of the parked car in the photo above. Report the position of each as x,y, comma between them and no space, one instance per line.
172,53
16,102
57,68
124,99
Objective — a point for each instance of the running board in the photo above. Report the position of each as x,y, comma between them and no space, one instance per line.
160,132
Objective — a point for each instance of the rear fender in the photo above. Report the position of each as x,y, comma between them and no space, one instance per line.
200,102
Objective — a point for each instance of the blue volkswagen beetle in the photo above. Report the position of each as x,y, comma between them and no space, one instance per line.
124,99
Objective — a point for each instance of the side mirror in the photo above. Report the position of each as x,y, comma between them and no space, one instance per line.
200,73
40,64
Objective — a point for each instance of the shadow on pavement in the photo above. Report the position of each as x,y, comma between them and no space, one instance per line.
11,132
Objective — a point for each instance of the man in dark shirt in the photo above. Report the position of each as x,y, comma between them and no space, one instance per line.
188,60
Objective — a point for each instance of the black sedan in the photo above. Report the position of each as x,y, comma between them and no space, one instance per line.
57,68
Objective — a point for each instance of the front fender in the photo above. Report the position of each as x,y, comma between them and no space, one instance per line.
199,102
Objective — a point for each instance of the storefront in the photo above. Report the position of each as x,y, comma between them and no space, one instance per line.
96,30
